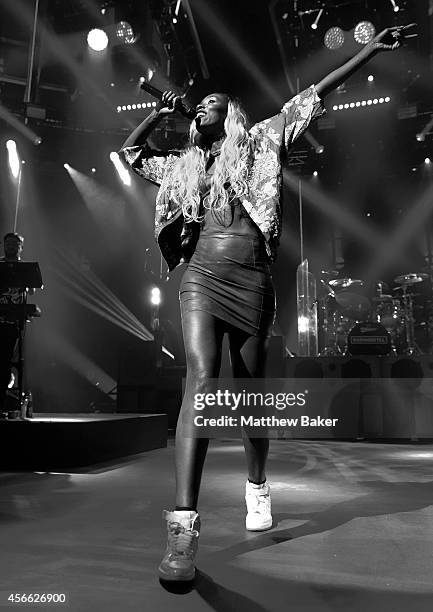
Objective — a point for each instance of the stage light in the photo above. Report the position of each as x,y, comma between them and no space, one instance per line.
14,160
315,24
97,39
111,84
93,170
427,160
395,6
121,170
125,33
174,20
141,79
370,78
364,32
320,149
315,173
150,74
284,16
119,108
155,296
361,103
66,166
420,137
334,38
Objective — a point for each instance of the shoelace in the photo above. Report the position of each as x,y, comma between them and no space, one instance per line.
258,499
182,539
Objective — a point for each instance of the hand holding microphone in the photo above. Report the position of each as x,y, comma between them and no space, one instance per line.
169,102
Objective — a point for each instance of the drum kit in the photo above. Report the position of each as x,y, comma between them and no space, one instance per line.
391,322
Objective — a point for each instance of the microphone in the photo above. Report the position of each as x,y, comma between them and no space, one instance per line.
186,111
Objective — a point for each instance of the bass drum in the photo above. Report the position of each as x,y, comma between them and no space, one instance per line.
369,338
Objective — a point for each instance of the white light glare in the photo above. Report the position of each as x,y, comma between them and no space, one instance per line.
97,39
370,78
420,137
14,160
395,6
121,170
320,149
303,324
427,160
155,296
315,173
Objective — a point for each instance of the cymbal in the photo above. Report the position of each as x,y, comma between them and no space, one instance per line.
344,283
410,279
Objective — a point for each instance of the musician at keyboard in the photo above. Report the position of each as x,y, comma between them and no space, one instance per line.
13,246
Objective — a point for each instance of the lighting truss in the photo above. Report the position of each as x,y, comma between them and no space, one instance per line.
362,103
135,106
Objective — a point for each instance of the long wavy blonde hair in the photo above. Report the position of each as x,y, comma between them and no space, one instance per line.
229,180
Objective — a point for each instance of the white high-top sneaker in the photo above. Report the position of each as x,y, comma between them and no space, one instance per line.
258,499
183,528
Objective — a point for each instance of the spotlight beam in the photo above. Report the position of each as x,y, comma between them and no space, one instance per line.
240,55
409,226
10,119
92,284
339,214
21,11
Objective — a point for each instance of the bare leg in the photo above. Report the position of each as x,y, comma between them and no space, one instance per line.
203,336
248,358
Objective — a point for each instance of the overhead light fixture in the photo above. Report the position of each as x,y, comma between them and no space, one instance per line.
125,33
315,23
395,6
361,103
334,38
364,32
97,39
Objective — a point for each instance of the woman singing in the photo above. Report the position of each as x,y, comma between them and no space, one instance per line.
218,208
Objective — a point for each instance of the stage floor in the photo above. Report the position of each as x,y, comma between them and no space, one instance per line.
353,531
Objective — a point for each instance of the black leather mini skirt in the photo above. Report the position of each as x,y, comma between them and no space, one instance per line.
229,276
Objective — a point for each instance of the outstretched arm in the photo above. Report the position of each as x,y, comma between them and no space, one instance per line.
389,39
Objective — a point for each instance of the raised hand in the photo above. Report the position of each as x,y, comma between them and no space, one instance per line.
391,39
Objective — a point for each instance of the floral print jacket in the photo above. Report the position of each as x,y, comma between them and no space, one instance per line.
272,138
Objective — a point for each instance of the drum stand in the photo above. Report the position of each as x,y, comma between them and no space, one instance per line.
331,348
412,348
